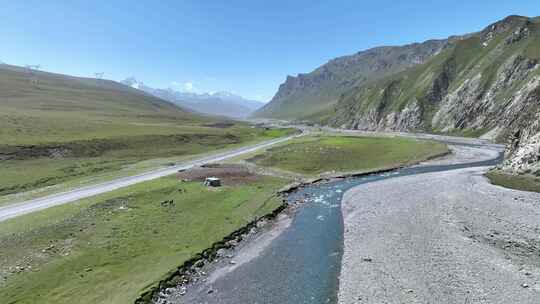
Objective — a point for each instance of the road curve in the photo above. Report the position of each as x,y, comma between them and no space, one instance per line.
444,237
17,209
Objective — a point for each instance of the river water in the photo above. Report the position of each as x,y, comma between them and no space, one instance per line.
302,264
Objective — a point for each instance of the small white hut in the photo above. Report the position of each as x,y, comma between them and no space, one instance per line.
212,182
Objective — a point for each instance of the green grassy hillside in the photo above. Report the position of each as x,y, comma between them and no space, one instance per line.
57,128
38,107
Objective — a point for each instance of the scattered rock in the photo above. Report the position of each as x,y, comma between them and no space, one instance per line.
48,248
199,263
261,223
232,243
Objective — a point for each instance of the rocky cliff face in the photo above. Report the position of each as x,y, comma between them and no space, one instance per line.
316,92
487,83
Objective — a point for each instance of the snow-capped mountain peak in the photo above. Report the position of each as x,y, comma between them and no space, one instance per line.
222,103
133,82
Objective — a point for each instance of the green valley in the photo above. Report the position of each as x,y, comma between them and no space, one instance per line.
57,128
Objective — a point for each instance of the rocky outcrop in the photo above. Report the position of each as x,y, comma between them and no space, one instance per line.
523,152
410,118
514,118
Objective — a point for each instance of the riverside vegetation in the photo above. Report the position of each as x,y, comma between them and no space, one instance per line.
112,247
109,248
523,182
320,154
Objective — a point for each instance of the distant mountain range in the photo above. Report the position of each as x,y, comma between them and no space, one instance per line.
485,83
220,103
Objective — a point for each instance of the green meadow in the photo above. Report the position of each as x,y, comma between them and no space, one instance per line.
524,182
319,154
111,247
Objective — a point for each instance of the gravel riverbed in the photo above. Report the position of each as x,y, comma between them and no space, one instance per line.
444,237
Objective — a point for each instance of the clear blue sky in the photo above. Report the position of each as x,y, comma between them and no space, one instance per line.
243,46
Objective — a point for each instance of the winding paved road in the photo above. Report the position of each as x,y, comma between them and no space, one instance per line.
17,209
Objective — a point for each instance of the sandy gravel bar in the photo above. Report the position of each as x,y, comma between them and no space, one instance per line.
445,237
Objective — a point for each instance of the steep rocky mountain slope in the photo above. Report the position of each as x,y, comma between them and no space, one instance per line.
481,84
217,104
486,84
313,95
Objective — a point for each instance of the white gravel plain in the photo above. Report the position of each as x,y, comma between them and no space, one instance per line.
444,237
